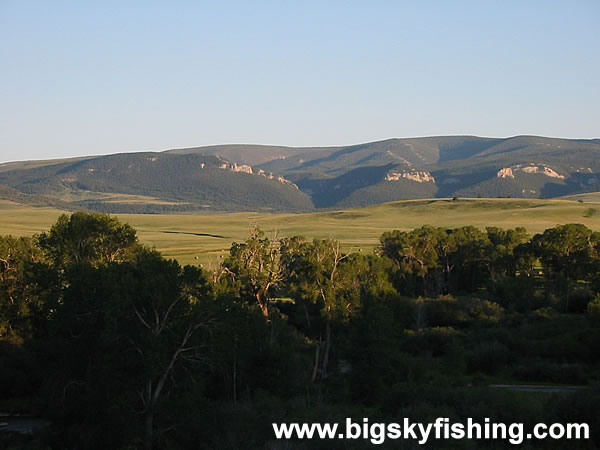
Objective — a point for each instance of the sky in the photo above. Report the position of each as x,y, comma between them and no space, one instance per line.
82,78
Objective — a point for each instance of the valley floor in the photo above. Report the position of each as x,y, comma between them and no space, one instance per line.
203,239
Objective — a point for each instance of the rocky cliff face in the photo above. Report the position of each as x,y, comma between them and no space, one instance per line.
506,172
509,172
233,167
413,175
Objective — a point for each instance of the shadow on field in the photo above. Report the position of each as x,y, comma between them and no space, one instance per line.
218,236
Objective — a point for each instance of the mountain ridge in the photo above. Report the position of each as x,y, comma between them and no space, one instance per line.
282,178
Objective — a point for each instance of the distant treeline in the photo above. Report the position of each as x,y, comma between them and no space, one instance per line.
8,193
120,348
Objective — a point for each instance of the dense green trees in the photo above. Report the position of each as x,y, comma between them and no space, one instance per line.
121,323
83,238
568,253
434,261
323,275
568,250
18,301
121,348
148,311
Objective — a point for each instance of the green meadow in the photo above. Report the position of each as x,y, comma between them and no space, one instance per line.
205,238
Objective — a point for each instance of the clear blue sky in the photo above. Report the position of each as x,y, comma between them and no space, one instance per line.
79,78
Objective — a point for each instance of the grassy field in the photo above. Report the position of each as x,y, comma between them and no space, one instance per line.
207,237
590,197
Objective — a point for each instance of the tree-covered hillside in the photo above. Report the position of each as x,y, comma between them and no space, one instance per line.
461,165
327,177
176,182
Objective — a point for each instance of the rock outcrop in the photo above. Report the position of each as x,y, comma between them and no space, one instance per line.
509,172
248,169
413,175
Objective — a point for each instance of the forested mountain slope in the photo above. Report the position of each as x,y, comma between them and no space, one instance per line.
278,178
157,182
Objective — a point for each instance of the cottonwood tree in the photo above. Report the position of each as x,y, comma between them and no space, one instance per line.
256,264
19,302
437,260
567,249
125,324
87,238
502,261
167,325
416,254
568,253
321,273
470,258
127,331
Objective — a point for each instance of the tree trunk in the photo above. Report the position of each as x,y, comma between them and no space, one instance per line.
264,306
148,431
148,416
307,317
327,347
265,310
567,297
235,370
316,366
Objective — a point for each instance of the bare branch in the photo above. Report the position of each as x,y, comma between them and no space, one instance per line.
137,313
